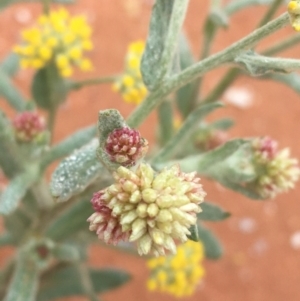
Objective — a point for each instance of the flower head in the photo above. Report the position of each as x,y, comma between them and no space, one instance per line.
277,171
178,274
57,38
154,208
130,84
294,13
28,126
125,146
102,221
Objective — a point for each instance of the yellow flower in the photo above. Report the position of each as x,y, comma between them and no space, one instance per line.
294,13
57,38
178,274
130,84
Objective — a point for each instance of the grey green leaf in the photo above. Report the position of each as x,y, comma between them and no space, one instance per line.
24,284
212,246
212,212
65,282
76,172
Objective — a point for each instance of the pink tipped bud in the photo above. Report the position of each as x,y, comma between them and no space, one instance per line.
277,171
28,126
125,146
107,227
265,148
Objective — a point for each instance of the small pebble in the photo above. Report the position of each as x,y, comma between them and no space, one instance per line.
259,247
247,225
295,240
240,97
23,16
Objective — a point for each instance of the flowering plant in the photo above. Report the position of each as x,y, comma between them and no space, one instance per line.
110,185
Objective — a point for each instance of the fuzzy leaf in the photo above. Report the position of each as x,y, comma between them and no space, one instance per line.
10,92
165,117
66,282
24,284
66,252
185,96
204,162
4,3
17,224
68,145
16,189
258,65
212,247
291,80
9,157
159,24
76,172
48,88
194,233
10,64
236,5
183,133
212,212
6,239
222,124
71,221
108,121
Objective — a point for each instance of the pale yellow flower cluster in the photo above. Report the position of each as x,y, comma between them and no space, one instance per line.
154,209
130,84
58,38
180,274
278,172
294,13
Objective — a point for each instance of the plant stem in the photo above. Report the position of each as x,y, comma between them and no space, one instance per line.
232,74
93,81
237,5
51,119
179,138
86,282
46,6
270,13
198,69
41,193
259,65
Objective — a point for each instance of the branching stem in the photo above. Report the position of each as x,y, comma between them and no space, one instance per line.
198,69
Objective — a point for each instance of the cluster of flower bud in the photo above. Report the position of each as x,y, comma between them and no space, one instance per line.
58,38
152,209
28,126
130,84
125,146
277,172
